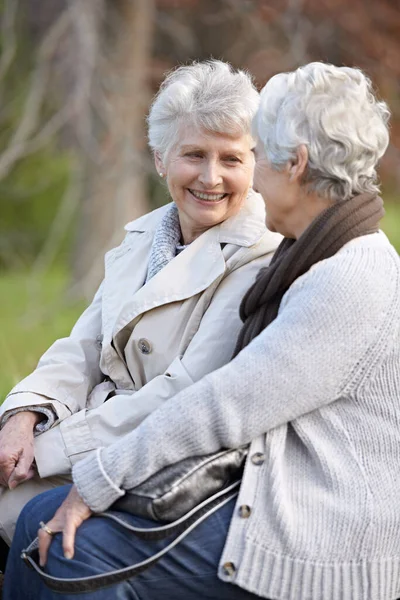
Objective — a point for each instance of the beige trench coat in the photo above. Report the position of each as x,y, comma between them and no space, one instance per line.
138,345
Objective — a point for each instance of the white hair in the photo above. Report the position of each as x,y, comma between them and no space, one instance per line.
208,95
333,111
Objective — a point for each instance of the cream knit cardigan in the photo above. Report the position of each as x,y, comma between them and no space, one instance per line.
318,394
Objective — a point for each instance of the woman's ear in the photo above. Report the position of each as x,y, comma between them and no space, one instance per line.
298,166
159,164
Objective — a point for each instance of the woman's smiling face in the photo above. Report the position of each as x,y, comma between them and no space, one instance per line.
208,177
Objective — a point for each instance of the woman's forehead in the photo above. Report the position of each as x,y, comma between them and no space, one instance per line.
192,136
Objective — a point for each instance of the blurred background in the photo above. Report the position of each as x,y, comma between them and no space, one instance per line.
76,79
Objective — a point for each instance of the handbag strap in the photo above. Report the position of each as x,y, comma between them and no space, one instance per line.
182,527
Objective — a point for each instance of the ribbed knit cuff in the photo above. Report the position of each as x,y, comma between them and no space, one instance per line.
42,426
94,485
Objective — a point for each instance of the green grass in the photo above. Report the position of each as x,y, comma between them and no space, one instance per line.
33,315
391,223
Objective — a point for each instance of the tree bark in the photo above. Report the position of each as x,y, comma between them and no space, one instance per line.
116,186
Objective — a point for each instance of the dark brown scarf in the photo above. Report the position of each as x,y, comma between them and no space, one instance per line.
334,227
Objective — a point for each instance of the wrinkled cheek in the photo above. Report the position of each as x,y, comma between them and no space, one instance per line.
235,204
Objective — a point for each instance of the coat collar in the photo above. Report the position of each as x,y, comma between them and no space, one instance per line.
243,229
195,269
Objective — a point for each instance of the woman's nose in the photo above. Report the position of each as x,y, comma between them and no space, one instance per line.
210,175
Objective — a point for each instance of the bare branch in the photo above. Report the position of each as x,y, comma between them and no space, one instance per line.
180,34
85,45
298,30
66,211
33,103
8,36
86,18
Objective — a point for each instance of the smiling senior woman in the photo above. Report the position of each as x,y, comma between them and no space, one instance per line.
314,388
167,311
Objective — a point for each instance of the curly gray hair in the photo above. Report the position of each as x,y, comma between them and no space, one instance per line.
333,111
210,95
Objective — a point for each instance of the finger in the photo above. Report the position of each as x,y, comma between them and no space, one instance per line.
6,469
21,472
55,525
69,534
16,480
45,540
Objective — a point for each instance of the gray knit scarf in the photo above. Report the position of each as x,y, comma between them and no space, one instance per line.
332,229
166,242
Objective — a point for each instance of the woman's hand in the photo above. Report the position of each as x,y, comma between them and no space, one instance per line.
16,448
71,514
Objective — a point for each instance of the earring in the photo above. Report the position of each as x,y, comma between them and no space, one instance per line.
161,174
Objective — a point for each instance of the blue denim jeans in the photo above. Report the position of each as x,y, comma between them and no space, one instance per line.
188,572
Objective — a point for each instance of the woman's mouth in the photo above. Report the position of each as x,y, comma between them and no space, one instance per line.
207,197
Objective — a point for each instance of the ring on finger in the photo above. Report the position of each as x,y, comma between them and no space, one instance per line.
45,528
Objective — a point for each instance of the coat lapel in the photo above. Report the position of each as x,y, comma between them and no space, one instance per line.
189,273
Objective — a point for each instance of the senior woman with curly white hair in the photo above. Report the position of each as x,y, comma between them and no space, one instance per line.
314,389
166,313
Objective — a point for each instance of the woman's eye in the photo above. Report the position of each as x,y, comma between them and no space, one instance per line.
232,159
193,154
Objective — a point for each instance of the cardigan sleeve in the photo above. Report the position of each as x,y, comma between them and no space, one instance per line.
323,340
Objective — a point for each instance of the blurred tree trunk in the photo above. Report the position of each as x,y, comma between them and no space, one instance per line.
117,177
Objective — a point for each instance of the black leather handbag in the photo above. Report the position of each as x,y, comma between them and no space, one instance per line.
177,489
181,496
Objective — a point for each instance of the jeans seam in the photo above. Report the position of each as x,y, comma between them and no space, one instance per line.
137,597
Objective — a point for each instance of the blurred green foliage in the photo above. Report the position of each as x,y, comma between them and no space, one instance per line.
391,222
29,199
33,187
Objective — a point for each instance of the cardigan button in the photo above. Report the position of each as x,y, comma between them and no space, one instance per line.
144,346
258,458
228,569
244,511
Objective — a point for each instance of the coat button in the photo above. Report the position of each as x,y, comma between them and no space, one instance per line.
99,340
228,569
258,458
244,511
144,346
